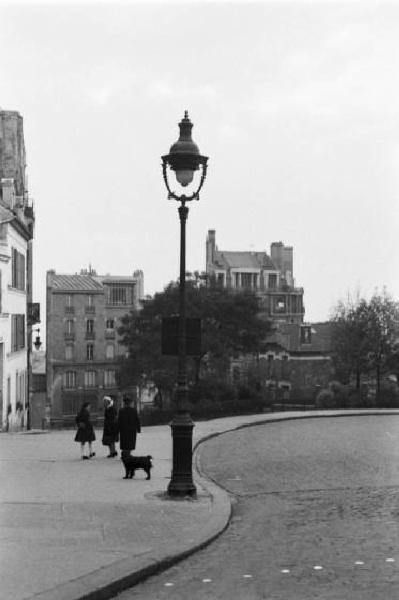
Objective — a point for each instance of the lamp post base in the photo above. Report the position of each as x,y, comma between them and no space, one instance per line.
181,483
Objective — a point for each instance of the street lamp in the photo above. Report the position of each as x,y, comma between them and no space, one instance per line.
184,159
37,342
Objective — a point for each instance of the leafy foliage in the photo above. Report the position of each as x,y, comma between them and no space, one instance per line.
365,337
230,325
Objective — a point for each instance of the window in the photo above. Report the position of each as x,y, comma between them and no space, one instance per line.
90,300
121,349
70,379
272,281
69,326
110,324
220,279
69,352
89,326
69,309
109,378
110,351
280,304
17,332
90,379
246,280
90,352
306,334
119,295
18,270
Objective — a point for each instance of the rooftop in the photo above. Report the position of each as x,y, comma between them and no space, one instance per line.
244,260
86,282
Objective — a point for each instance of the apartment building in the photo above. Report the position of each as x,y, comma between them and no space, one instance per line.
16,238
82,315
271,277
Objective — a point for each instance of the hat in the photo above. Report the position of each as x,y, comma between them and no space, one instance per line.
108,400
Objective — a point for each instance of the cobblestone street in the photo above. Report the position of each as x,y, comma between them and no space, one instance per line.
334,537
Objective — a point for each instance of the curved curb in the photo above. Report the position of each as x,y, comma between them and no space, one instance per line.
105,583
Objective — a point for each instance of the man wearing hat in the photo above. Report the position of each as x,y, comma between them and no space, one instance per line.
128,426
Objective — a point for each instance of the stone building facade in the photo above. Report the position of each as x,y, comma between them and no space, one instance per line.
83,312
271,277
16,239
295,365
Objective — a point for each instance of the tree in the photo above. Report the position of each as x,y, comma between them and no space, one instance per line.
230,326
349,340
364,337
383,333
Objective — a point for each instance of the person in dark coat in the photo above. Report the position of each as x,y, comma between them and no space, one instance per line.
128,426
110,430
85,433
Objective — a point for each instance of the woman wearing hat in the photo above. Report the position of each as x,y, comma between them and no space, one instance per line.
110,431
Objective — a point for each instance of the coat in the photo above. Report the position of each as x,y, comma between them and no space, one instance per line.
128,427
110,430
85,432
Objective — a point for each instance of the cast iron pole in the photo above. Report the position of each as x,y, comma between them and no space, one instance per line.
181,482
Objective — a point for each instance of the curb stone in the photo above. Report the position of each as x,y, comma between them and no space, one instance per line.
106,582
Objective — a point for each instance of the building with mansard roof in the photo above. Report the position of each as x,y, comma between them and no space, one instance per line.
82,314
270,277
296,362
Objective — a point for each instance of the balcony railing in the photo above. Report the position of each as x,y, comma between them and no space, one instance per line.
90,310
90,335
69,336
109,334
69,310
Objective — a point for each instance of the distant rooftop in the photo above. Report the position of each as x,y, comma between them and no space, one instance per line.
74,282
251,260
84,282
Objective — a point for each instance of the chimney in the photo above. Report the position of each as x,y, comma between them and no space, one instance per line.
210,248
282,256
139,276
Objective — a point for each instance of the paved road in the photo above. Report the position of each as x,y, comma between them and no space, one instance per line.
315,515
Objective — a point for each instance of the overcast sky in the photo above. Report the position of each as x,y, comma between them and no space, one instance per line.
296,105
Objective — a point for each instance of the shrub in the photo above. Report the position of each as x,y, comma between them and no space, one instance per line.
325,399
388,397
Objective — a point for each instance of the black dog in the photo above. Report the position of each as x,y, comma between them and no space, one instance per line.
132,463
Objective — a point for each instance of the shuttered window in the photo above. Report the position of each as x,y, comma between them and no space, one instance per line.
17,332
18,270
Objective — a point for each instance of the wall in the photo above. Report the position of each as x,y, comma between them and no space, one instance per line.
15,363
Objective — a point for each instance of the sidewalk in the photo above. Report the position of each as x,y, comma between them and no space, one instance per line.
73,529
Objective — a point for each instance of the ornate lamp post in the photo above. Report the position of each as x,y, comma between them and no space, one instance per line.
184,159
37,343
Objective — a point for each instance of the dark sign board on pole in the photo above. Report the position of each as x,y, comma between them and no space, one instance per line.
170,336
33,313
